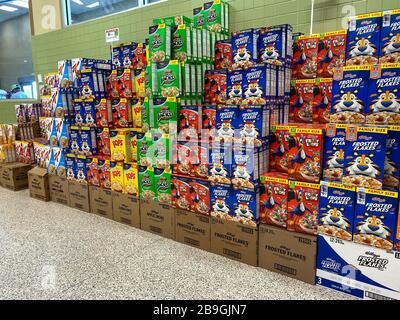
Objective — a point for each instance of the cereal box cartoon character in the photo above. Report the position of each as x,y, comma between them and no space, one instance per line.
226,119
336,210
391,178
245,168
243,55
270,45
390,37
220,164
245,209
234,89
323,99
335,143
302,102
220,201
305,56
255,85
376,217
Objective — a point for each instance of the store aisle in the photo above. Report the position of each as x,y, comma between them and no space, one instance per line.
53,252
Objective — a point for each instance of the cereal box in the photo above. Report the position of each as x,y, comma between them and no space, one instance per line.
364,39
200,151
181,43
86,84
336,210
116,57
136,113
104,173
184,157
384,96
279,146
81,174
120,147
146,183
139,56
145,114
364,157
223,55
199,191
126,55
103,141
215,86
121,113
335,144
391,177
302,103
255,89
390,37
180,191
350,94
226,123
253,125
169,79
161,147
162,182
79,112
273,199
75,140
163,115
305,154
131,176
245,168
117,176
160,43
331,53
234,85
133,144
209,114
322,100
88,141
305,57
90,113
92,171
245,207
145,151
397,237
303,201
221,201
198,18
214,15
244,49
271,46
376,218
190,122
220,164
71,167
103,113
140,83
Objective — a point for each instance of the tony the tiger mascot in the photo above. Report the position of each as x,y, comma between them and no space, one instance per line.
243,211
270,53
349,102
363,165
373,225
334,217
387,102
393,46
363,47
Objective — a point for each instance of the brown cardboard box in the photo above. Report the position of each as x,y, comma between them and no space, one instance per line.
101,202
59,190
126,209
79,196
234,240
39,184
193,229
1,173
14,176
157,218
288,253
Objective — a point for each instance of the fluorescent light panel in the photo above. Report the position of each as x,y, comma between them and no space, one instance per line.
20,3
93,5
8,9
78,2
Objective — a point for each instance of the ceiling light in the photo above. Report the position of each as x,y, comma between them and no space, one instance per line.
8,9
93,5
19,3
78,2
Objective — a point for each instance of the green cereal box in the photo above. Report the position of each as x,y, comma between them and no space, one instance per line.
160,43
186,88
145,114
198,18
169,79
181,43
148,80
146,183
164,114
145,153
214,15
200,45
195,55
200,79
162,181
206,45
162,154
173,21
193,82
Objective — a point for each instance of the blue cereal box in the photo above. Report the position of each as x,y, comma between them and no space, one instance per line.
234,85
364,39
391,177
245,168
221,201
376,218
71,167
390,37
244,49
255,85
90,113
74,140
226,123
81,171
220,164
336,210
350,94
79,112
253,125
364,157
245,207
116,57
334,146
88,141
271,46
384,96
86,84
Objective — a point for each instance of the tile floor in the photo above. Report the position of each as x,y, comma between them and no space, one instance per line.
49,251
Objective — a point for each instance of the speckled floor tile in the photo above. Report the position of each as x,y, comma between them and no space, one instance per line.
49,251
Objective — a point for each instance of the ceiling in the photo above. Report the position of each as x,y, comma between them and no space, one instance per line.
6,15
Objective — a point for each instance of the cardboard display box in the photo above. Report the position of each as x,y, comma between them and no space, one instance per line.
79,196
38,179
359,270
289,253
59,190
234,240
14,176
1,173
193,229
126,209
157,218
101,202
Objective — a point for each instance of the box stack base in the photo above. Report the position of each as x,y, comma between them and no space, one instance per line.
14,176
126,209
39,184
79,196
157,218
101,202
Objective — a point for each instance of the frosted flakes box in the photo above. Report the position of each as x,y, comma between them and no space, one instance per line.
334,146
119,142
71,167
376,218
323,99
336,210
199,191
74,140
90,113
162,182
116,57
226,123
103,141
163,115
181,43
255,89
364,39
244,49
303,201
104,173
215,86
302,103
81,173
131,178
169,78
221,201
121,113
223,55
273,199
79,112
220,164
126,55
391,178
350,94
160,43
88,141
190,121
384,97
245,168
234,87
117,176
305,57
271,46
364,160
86,85
92,172
103,113
245,207
331,53
390,37
161,147
180,191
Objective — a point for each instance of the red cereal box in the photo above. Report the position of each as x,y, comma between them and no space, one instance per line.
322,100
103,141
303,202
92,172
121,113
331,53
273,199
139,56
184,157
180,190
223,55
302,104
215,86
279,147
209,114
104,173
103,113
200,166
199,196
305,56
305,153
189,122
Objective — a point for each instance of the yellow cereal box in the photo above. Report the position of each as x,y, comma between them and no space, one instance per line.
133,144
120,146
131,179
117,176
137,113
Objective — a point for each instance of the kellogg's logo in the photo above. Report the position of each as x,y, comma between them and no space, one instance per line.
167,77
373,261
